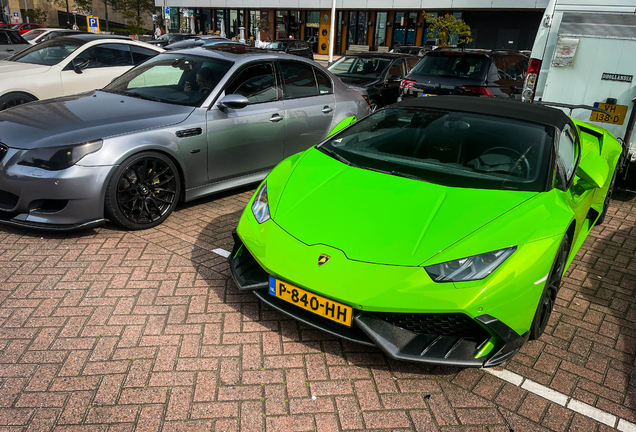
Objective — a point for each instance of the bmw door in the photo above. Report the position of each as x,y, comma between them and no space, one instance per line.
309,103
248,140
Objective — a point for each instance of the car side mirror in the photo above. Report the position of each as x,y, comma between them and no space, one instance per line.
592,171
79,64
233,101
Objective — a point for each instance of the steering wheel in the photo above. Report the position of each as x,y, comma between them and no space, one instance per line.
525,165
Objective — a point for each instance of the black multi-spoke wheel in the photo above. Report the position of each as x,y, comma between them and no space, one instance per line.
374,105
143,191
14,99
552,285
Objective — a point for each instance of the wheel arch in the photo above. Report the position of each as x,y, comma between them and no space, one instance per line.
20,93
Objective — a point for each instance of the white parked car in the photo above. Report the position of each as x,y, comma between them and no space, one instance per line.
39,35
68,65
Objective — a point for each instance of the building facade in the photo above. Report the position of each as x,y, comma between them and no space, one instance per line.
498,24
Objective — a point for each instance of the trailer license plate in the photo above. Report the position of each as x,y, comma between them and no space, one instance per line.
616,113
319,305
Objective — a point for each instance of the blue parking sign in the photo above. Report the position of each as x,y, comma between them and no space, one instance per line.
93,24
167,10
15,15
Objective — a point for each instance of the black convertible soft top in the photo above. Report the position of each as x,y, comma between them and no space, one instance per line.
493,106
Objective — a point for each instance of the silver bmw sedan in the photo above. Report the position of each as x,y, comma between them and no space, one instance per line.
180,126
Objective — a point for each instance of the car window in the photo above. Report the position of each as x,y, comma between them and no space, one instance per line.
15,38
566,158
516,67
302,45
359,67
179,79
293,45
450,148
47,53
397,69
33,34
141,54
451,64
298,79
4,39
324,82
107,55
411,62
257,83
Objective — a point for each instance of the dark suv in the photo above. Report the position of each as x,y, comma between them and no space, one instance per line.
485,73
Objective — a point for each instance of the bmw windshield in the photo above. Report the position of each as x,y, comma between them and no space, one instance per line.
172,78
454,149
47,53
359,68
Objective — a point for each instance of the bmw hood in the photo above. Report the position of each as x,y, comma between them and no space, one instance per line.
83,117
378,218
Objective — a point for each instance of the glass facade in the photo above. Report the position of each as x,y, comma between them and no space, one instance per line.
379,37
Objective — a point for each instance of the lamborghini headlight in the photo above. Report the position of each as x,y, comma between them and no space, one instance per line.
260,206
468,269
59,158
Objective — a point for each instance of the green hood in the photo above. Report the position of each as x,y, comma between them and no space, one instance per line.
379,218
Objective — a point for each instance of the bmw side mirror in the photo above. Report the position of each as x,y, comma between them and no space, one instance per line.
233,101
79,64
592,171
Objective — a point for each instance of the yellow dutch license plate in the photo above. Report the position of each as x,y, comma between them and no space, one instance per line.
616,113
319,305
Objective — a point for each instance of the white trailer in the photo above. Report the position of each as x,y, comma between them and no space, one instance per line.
585,54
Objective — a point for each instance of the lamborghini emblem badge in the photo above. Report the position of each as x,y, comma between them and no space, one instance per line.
323,259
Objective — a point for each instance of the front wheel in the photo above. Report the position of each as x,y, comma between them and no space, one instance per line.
14,99
550,291
143,191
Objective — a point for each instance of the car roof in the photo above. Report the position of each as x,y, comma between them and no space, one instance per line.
381,54
487,52
237,53
493,106
89,37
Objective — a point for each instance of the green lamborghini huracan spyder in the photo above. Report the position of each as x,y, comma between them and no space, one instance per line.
438,229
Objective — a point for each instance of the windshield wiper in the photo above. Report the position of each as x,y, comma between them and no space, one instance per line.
335,155
408,176
143,96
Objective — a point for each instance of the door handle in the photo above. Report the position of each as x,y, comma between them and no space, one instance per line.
276,118
10,49
327,110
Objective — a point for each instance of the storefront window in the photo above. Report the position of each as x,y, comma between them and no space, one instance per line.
282,22
294,24
218,19
237,19
404,28
380,29
254,15
339,33
312,25
358,29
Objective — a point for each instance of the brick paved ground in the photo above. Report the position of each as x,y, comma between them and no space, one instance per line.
120,331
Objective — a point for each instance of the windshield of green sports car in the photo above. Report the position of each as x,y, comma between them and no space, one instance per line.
456,149
172,78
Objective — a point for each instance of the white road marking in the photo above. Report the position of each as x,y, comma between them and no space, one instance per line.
221,252
506,375
592,412
545,392
563,400
625,426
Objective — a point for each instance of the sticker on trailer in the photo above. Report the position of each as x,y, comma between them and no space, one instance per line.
565,51
617,77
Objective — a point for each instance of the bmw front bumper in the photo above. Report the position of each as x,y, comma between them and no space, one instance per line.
68,199
449,338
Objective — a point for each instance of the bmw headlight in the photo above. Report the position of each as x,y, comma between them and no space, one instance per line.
468,269
59,158
260,206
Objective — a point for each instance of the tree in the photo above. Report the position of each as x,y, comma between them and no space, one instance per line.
443,27
133,10
37,16
262,25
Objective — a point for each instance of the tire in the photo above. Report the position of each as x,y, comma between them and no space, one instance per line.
374,105
143,191
608,198
14,99
550,291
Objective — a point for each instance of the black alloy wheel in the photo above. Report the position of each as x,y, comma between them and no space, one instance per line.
143,191
15,99
549,295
